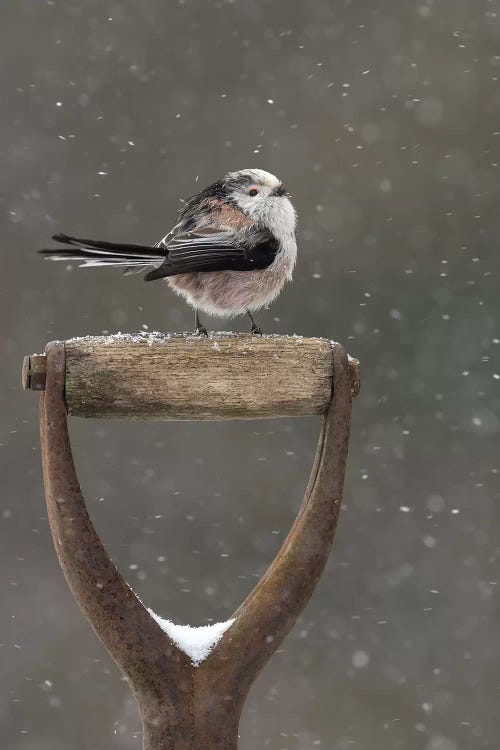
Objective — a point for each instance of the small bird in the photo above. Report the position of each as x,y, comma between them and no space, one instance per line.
229,254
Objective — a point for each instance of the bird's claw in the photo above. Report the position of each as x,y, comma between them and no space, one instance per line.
201,331
256,330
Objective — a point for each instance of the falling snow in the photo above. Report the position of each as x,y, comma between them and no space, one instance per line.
383,122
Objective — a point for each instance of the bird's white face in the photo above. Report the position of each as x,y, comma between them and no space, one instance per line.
261,196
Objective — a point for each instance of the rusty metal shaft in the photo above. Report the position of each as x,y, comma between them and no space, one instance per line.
185,707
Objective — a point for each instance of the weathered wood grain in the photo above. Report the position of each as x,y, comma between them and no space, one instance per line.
183,376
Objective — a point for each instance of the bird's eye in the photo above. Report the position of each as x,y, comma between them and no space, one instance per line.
253,192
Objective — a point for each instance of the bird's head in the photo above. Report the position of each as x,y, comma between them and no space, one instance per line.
262,197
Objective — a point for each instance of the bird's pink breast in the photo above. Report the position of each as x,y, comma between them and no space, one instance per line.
228,293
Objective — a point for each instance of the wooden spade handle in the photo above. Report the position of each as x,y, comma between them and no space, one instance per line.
181,376
185,706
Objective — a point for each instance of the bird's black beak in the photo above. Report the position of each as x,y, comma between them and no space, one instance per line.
280,190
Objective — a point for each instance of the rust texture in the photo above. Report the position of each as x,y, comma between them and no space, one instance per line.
34,372
185,707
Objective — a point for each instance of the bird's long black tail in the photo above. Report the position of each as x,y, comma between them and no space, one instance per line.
95,253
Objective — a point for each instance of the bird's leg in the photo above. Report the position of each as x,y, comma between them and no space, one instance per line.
200,329
255,328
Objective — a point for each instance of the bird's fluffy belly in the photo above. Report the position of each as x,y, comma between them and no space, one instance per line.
228,293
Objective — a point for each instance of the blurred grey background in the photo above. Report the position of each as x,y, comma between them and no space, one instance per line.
383,120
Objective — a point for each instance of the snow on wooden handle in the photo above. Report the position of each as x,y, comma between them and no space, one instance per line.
190,377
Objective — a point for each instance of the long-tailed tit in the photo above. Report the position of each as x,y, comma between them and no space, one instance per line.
230,253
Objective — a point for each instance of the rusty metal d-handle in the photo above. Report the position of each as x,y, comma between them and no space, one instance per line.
184,707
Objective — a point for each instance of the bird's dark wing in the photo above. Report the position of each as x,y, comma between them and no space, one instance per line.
209,249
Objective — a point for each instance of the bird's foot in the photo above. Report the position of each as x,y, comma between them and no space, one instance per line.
199,328
255,328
